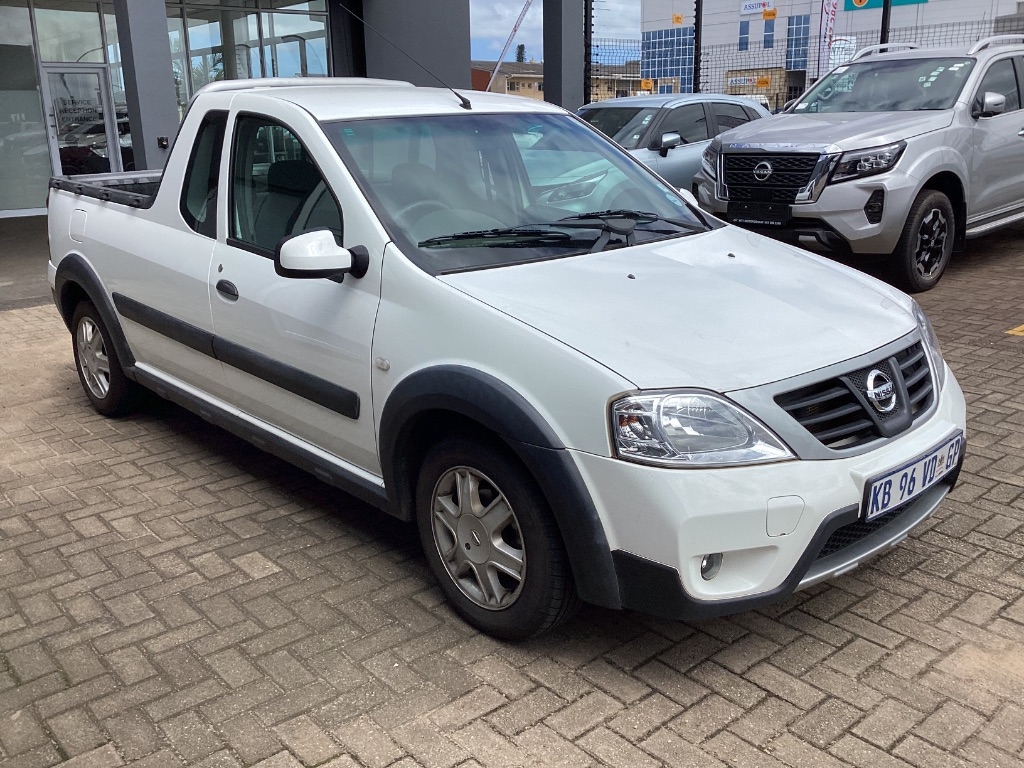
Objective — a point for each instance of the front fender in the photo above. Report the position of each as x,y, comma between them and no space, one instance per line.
497,408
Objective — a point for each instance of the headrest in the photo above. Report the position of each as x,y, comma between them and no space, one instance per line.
298,176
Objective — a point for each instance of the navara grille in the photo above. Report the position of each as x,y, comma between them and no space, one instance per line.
789,174
856,408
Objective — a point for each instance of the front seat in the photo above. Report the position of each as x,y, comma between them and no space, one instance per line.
289,183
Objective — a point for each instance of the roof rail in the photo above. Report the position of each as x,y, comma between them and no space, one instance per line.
292,82
879,48
988,42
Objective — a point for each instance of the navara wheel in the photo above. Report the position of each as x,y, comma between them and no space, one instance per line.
108,389
491,542
925,247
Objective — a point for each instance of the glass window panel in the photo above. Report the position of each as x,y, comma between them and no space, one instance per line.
82,138
24,150
68,31
291,5
295,45
180,67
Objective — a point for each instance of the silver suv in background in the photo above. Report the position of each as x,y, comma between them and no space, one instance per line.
669,132
902,153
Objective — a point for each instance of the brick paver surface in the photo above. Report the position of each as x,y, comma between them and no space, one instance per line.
170,595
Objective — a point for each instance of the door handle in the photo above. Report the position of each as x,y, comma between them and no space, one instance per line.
1020,132
227,289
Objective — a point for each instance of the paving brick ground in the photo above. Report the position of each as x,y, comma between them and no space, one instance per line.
172,596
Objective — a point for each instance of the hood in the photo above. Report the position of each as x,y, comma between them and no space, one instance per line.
723,310
833,131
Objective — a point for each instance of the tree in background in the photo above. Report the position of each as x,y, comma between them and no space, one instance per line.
521,53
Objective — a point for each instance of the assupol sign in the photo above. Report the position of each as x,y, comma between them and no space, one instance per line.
756,6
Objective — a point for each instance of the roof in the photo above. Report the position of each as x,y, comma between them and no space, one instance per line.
510,67
673,100
338,98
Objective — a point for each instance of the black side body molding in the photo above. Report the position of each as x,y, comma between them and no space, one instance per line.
498,408
73,271
320,391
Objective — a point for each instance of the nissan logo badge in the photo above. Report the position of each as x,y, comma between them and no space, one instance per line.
763,170
881,391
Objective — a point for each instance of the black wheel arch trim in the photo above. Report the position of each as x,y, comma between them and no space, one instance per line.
498,408
73,270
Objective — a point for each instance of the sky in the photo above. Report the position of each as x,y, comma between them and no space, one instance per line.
491,21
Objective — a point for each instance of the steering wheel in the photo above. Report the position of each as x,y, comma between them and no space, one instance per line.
419,209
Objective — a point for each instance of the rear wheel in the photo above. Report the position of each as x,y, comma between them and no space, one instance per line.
491,541
925,247
99,369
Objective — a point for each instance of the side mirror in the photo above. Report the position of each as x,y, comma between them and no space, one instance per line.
688,196
788,106
669,141
316,254
992,104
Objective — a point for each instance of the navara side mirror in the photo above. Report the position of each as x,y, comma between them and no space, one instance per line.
992,104
316,254
669,141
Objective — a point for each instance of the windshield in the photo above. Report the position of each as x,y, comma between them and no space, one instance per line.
474,190
888,85
625,125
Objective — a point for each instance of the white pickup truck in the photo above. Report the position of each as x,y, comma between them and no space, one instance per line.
486,318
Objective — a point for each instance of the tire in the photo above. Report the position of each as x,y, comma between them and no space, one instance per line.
925,247
99,369
491,541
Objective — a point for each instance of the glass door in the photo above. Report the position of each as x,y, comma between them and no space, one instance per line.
85,134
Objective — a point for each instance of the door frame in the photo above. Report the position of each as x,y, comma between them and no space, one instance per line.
106,104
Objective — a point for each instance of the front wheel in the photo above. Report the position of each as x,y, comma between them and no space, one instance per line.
490,540
925,247
99,369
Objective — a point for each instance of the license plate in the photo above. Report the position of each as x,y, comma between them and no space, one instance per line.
901,485
774,214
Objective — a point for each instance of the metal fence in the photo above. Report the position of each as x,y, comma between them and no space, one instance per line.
772,74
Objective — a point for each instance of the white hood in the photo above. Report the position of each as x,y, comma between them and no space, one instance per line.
724,310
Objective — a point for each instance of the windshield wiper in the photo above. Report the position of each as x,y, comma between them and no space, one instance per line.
639,217
509,237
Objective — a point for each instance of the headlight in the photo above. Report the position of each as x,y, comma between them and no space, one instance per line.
691,429
931,343
867,162
709,162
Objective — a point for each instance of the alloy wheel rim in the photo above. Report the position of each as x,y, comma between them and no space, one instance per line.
92,358
478,538
931,243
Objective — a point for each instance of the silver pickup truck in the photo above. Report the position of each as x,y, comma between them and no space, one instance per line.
899,153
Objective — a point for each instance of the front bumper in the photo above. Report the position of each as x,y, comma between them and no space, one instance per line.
769,521
836,222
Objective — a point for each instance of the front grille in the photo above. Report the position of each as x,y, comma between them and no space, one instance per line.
850,534
838,413
790,173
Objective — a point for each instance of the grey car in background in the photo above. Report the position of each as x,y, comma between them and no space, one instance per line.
668,132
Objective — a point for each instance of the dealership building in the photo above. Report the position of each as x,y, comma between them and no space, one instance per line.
773,47
91,87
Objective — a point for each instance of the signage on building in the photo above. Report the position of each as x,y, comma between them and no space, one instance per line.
860,5
677,18
841,51
646,85
763,81
741,80
759,6
769,14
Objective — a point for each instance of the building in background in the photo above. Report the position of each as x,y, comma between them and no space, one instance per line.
520,78
86,88
775,48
